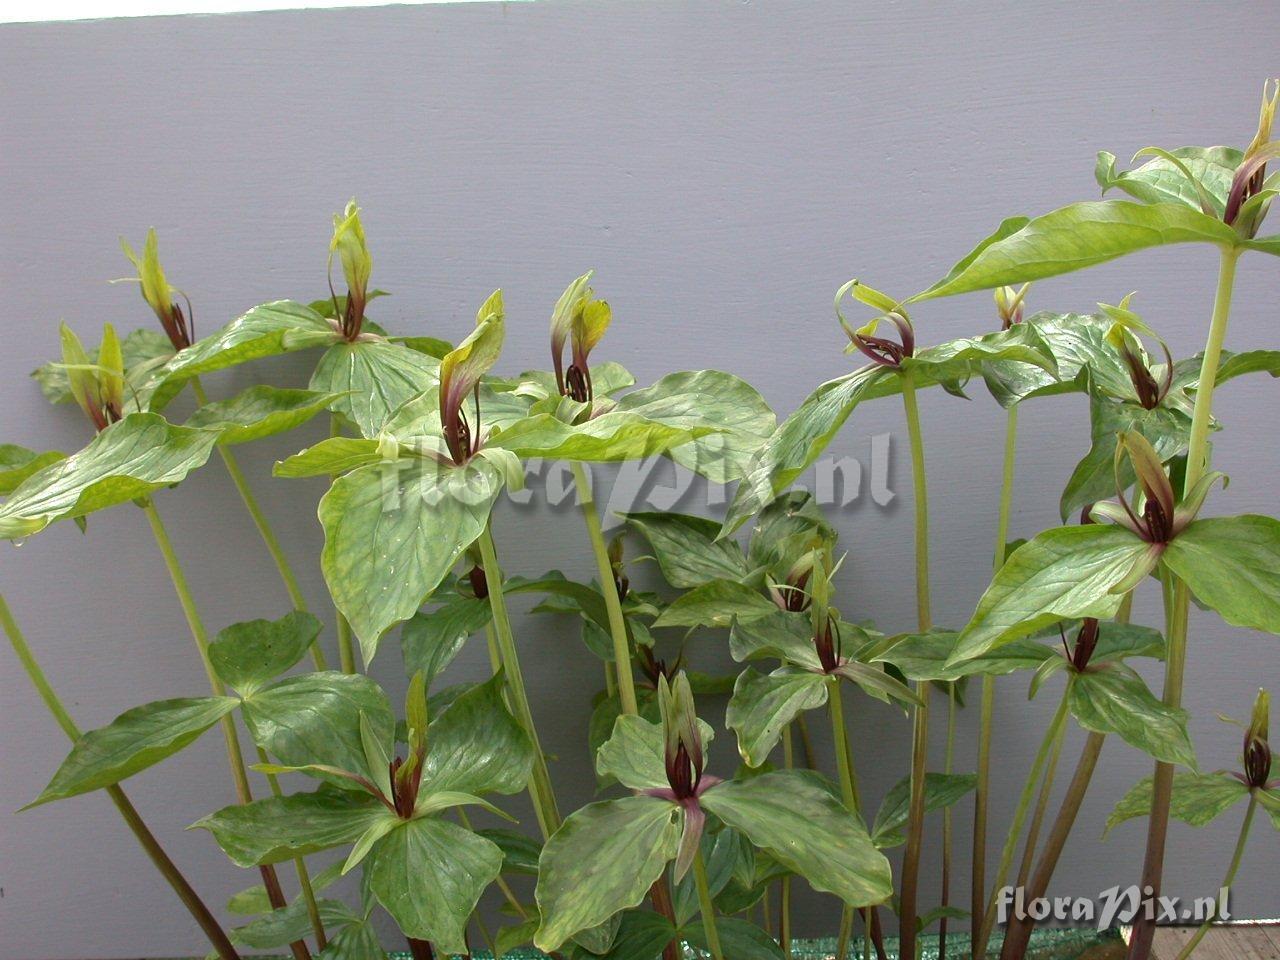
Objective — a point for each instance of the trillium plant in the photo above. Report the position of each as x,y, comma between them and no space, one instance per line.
677,853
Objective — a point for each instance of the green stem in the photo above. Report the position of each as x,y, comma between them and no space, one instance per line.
784,891
981,792
146,839
707,908
264,528
544,801
235,759
1015,828
612,602
300,868
848,793
920,726
1175,664
1042,805
346,647
948,759
1229,878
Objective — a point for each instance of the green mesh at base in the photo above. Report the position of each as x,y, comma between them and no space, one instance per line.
1045,945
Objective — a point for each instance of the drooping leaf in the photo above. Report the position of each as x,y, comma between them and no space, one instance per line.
127,460
265,331
460,865
281,828
926,656
634,753
1062,574
763,704
735,416
786,529
1074,237
617,435
519,851
1114,699
603,859
392,532
739,939
795,818
780,635
333,456
716,604
1085,362
581,598
641,935
373,380
475,746
17,463
290,923
259,412
248,655
1160,180
1197,798
687,550
940,790
958,360
799,441
315,719
1232,564
430,640
133,741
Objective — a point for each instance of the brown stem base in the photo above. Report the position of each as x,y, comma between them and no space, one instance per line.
276,897
660,894
420,949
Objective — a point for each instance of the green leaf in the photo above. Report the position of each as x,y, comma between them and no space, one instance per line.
355,941
127,460
475,746
604,858
635,753
1085,362
519,852
281,927
315,719
735,416
1232,564
459,864
137,739
781,635
259,412
926,656
1062,574
739,939
960,359
1270,801
800,440
940,790
1094,477
1160,181
18,463
265,331
1117,641
686,549
1234,365
392,532
1074,237
281,828
429,641
509,938
785,530
1114,699
641,935
716,604
579,598
248,655
762,705
1197,798
375,378
617,435
330,457
794,817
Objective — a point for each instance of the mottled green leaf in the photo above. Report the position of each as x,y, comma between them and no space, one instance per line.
17,463
375,378
940,790
617,435
288,924
141,351
475,746
634,754
1112,698
430,640
1160,181
795,818
259,412
603,859
333,456
762,705
1197,798
716,604
127,460
1232,564
133,741
739,939
686,549
926,656
250,654
1062,574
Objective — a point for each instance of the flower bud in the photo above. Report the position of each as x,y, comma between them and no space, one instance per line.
348,245
1257,751
157,292
1009,304
683,741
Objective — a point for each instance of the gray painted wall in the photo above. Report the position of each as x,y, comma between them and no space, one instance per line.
724,166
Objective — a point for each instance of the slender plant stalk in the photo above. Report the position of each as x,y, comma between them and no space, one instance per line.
920,727
491,641
1229,878
264,528
146,839
1197,465
806,742
948,759
1015,828
848,793
235,758
784,891
1042,805
300,868
707,908
981,791
1019,932
346,647
612,602
420,949
544,801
